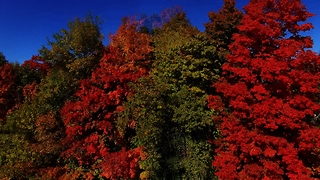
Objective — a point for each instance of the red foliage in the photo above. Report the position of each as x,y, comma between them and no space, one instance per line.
7,81
270,91
223,24
121,164
36,63
91,135
30,91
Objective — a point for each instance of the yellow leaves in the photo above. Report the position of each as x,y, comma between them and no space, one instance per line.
145,175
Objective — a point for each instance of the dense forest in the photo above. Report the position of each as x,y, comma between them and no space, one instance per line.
164,100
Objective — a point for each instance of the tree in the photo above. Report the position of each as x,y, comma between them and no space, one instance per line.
7,88
95,147
269,96
43,84
77,49
3,59
223,25
32,133
168,108
20,85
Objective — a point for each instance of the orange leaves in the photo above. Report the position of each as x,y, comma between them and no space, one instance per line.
133,45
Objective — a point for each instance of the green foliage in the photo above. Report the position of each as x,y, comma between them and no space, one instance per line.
43,84
14,156
32,133
52,92
173,122
77,49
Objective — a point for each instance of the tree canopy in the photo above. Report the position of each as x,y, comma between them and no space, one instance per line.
164,100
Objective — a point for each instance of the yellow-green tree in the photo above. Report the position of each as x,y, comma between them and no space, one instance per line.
32,132
169,110
77,49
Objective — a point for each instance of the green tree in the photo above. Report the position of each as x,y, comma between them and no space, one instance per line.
77,49
32,133
169,108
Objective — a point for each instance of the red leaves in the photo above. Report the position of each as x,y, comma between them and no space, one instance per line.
223,24
121,164
133,49
37,64
30,91
270,87
91,136
269,152
7,99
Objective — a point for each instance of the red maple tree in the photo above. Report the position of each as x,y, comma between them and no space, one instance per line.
269,91
91,135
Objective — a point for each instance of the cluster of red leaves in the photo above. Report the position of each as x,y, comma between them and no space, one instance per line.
123,163
36,63
270,90
7,100
30,91
91,135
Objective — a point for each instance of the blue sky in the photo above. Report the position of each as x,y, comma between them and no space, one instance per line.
26,24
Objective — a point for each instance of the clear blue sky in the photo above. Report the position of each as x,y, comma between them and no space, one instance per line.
26,24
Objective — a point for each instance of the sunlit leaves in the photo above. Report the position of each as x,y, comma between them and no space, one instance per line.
269,99
92,140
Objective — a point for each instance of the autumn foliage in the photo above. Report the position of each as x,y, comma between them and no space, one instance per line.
164,100
269,90
7,79
91,135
